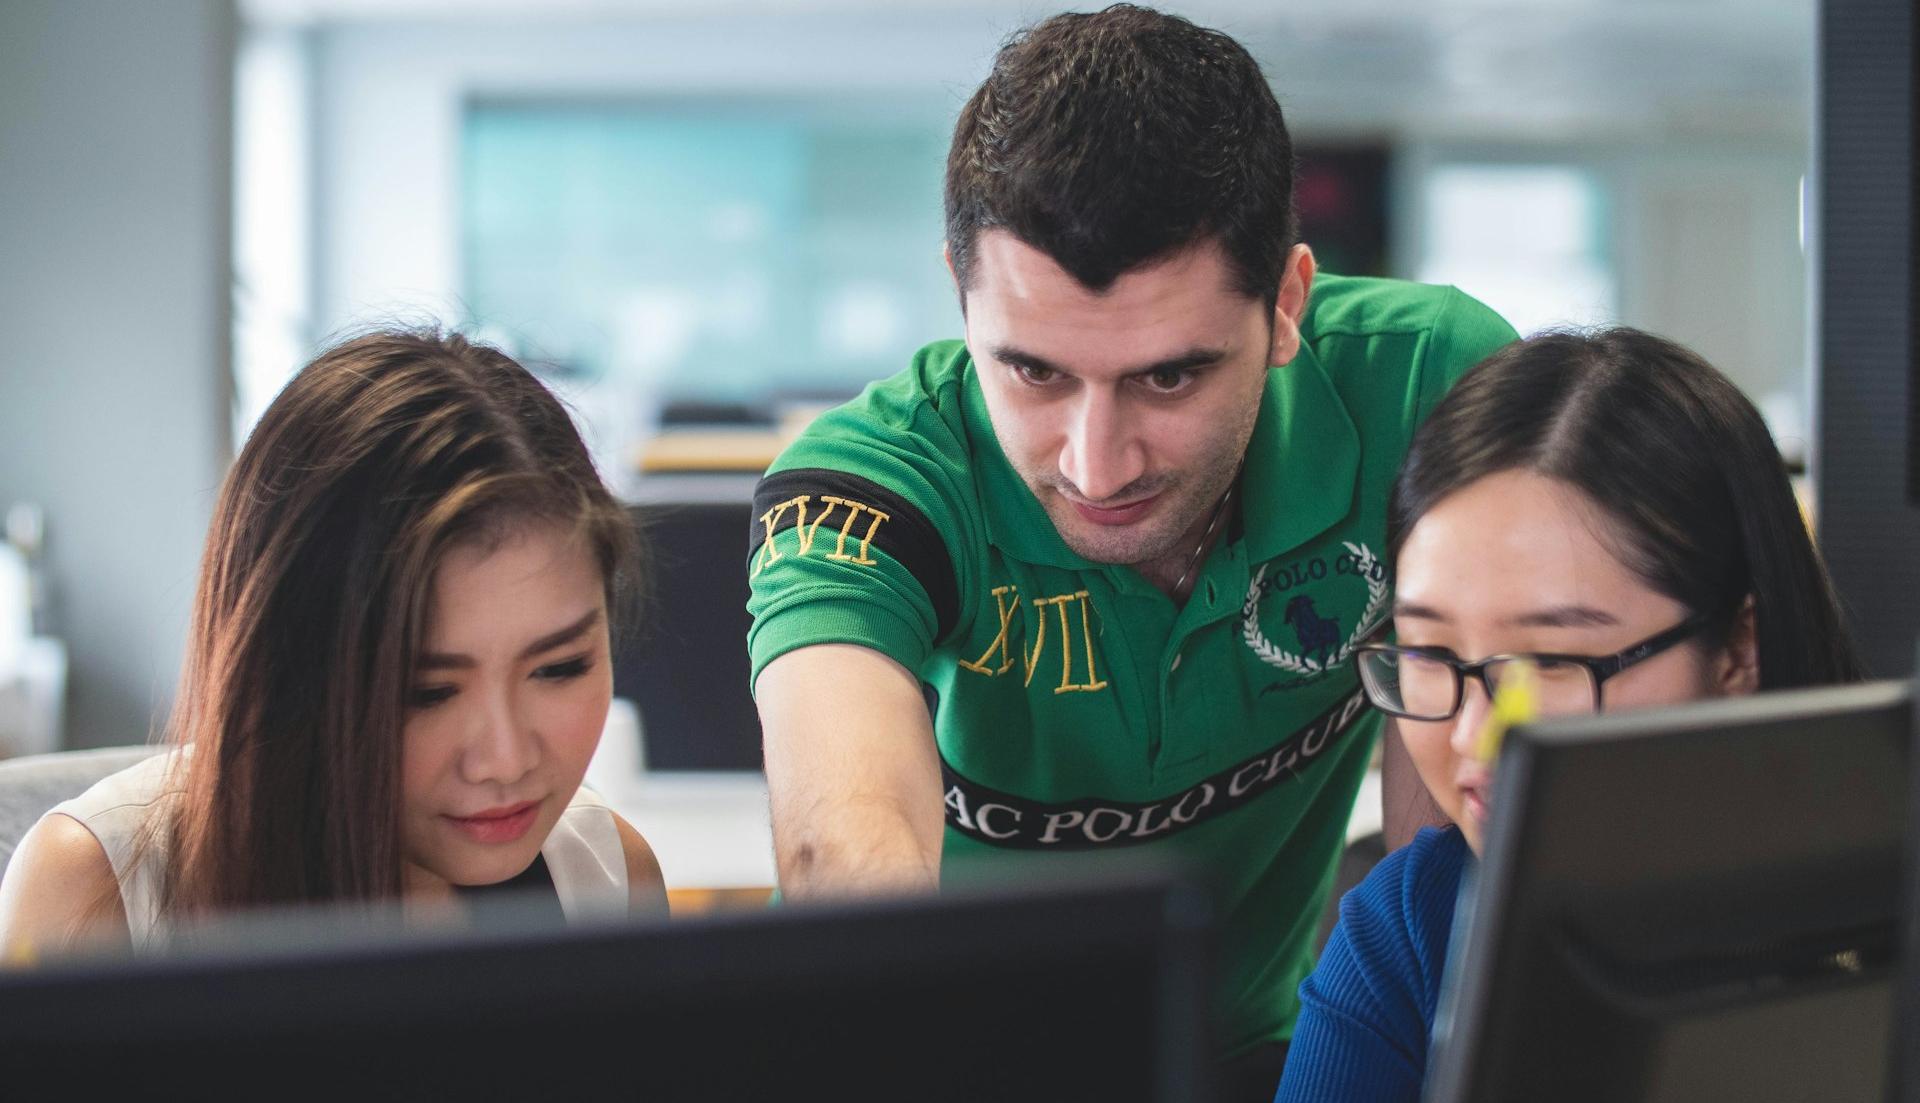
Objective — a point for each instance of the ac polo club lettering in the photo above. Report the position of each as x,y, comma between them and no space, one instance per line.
1076,708
1008,820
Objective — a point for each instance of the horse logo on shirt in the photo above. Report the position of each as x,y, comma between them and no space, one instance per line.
1321,647
1317,635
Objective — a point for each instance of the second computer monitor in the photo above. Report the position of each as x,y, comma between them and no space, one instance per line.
1685,904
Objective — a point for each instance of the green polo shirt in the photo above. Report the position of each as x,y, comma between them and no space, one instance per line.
1078,708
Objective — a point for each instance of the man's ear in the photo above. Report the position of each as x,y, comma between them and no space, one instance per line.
1296,286
1737,670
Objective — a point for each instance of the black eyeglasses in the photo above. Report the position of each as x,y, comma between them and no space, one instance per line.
1424,683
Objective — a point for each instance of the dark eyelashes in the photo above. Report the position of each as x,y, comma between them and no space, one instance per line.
566,670
429,696
1043,377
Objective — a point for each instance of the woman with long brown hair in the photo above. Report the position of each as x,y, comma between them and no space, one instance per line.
397,670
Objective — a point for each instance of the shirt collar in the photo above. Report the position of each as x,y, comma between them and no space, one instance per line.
1301,468
1303,462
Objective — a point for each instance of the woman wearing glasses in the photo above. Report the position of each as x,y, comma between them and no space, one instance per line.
1611,509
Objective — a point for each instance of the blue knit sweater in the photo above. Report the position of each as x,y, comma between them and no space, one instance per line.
1366,1012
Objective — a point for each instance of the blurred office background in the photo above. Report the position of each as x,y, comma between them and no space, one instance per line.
710,214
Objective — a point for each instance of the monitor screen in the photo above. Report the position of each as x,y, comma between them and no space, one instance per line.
1093,991
1682,904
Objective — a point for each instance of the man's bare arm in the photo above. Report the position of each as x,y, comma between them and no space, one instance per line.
853,773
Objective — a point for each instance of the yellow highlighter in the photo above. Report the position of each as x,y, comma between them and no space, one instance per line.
19,954
1517,701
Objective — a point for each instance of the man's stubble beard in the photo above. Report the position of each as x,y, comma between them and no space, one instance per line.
1175,532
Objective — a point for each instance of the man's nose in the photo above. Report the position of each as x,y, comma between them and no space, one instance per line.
1101,456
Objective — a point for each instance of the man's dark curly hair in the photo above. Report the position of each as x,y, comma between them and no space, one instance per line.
1109,140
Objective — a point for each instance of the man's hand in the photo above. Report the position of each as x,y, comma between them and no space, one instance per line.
853,773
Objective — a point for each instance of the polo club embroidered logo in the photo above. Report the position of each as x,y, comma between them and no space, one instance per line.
1318,636
999,818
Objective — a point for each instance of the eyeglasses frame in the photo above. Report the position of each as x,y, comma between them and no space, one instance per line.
1602,667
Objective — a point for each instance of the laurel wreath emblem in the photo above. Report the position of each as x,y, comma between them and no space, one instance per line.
1274,655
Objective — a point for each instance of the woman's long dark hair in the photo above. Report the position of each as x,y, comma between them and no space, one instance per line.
1675,456
378,457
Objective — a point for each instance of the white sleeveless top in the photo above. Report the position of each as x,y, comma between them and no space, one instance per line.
584,855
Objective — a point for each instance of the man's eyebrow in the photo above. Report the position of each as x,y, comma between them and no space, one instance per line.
1565,616
1007,354
1186,361
437,661
1417,611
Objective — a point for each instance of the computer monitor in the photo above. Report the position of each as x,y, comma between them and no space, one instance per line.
1685,904
1095,991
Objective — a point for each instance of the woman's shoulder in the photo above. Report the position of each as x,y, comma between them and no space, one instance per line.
120,809
114,837
1404,907
135,787
586,828
1433,860
599,859
60,888
646,884
60,850
1408,873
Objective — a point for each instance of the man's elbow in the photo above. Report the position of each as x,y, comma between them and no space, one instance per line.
815,868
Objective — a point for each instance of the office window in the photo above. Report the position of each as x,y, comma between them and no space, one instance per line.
711,253
1528,240
272,254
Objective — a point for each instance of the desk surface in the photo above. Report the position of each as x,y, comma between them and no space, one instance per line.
709,831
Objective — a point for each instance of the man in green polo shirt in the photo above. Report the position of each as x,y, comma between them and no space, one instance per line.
1127,533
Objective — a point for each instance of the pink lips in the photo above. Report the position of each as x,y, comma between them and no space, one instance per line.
1476,804
1122,515
498,825
1473,793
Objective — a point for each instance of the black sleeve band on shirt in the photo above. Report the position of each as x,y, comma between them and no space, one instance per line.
907,536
